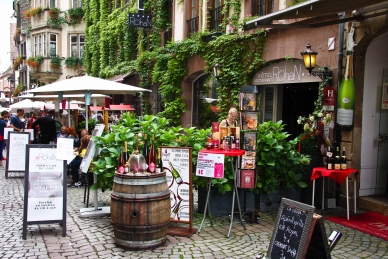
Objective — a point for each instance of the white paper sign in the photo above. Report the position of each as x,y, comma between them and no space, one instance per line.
31,131
65,148
17,151
6,130
45,190
210,165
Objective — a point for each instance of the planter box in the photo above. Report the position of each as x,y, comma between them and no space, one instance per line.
221,204
271,202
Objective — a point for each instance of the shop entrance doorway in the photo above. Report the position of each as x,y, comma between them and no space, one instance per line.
298,100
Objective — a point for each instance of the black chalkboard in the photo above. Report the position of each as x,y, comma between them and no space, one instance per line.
291,231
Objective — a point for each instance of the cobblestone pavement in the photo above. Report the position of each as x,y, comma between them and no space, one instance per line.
92,237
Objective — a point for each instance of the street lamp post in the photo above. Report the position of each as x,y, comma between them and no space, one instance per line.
309,60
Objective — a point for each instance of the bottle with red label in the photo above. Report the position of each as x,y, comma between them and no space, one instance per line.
152,156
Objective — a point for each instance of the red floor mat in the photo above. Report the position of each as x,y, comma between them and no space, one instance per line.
372,223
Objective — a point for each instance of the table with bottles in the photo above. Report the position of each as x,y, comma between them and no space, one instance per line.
339,176
233,153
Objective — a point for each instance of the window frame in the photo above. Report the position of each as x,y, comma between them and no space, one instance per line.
80,45
263,7
55,42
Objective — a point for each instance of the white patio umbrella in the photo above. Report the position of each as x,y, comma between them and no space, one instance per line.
27,105
87,85
98,98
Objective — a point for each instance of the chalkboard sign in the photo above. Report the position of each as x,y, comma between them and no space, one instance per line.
16,152
291,231
44,188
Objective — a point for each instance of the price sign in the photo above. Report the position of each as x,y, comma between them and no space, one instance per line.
210,165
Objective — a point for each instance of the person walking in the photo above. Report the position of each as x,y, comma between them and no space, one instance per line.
16,122
47,128
3,124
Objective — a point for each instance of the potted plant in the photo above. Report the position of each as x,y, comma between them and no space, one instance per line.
33,12
280,166
56,63
75,15
35,62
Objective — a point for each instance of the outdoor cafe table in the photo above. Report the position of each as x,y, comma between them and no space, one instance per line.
339,176
233,154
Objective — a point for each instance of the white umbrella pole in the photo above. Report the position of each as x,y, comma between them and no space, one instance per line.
68,110
86,116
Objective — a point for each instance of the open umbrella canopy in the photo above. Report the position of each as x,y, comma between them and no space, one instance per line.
84,84
98,98
51,106
27,105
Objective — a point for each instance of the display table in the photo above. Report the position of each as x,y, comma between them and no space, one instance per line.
233,154
339,176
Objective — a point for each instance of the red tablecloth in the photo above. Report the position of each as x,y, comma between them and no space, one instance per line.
238,152
338,175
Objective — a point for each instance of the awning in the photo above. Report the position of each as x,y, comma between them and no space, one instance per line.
120,78
120,107
95,108
309,9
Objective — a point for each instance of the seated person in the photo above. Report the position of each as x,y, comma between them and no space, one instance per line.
76,162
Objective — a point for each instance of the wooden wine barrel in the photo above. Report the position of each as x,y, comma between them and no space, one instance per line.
140,210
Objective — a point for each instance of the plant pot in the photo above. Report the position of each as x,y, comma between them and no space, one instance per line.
271,202
221,204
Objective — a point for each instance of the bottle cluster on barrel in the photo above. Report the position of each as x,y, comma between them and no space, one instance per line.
335,160
148,161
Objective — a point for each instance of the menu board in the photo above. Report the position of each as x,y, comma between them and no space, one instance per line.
177,162
210,165
45,187
16,152
291,231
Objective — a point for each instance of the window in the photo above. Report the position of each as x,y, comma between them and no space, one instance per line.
193,23
77,45
216,15
53,45
45,3
23,49
39,44
263,7
76,3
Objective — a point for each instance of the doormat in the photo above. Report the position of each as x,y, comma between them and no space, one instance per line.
372,223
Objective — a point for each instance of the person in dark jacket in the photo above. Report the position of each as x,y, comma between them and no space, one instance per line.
47,129
3,124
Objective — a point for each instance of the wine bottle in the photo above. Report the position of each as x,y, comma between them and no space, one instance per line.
343,159
145,148
175,211
337,162
175,174
232,140
159,163
329,160
121,165
126,155
152,156
346,96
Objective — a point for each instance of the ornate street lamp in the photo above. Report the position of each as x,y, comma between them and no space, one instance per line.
217,70
309,60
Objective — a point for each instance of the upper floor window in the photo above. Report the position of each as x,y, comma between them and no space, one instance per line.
39,42
45,3
44,47
76,3
216,15
53,45
23,49
77,45
193,23
194,8
263,7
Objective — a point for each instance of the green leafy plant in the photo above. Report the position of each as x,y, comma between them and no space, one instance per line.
37,12
35,61
75,16
56,62
279,163
294,2
74,63
91,125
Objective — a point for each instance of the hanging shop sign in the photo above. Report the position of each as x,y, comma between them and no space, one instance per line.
140,20
328,98
284,72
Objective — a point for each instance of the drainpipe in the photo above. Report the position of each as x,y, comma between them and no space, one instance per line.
337,137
